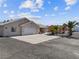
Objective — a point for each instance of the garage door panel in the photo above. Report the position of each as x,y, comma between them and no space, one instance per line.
28,31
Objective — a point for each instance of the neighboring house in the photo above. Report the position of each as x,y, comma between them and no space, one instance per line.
19,27
76,28
43,28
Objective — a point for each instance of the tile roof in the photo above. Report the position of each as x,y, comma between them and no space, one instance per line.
12,20
29,19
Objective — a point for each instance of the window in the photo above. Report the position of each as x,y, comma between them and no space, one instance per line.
13,29
5,27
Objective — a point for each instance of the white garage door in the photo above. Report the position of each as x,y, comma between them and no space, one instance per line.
28,31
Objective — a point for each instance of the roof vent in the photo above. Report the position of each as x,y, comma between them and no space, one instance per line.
7,20
4,21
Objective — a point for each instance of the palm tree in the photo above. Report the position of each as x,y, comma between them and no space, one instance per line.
64,27
71,25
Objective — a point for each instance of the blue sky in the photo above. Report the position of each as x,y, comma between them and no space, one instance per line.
48,11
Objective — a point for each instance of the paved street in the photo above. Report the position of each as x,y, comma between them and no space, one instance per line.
61,48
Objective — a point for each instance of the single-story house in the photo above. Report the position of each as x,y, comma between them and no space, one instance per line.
22,26
76,28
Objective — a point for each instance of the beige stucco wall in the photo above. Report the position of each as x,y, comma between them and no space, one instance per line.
1,30
7,32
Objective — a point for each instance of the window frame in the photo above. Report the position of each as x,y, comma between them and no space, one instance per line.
13,29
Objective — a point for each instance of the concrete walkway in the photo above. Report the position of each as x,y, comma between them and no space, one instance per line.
35,39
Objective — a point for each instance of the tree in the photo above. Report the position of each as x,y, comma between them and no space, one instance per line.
71,25
53,29
56,29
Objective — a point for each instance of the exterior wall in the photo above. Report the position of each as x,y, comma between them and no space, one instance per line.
1,30
76,29
32,27
19,25
7,28
43,30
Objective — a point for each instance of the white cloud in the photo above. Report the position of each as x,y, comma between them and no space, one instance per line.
76,17
4,5
27,15
32,4
34,10
24,15
46,14
56,8
53,15
5,11
42,8
67,8
11,16
1,2
49,2
62,13
17,15
70,2
39,3
27,4
12,12
35,19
